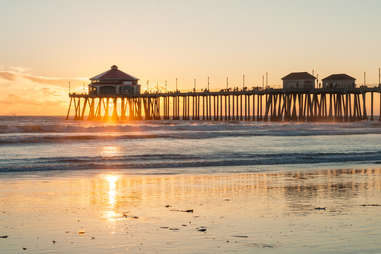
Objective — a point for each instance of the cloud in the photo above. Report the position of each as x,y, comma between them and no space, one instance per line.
54,81
7,75
14,104
48,91
22,93
18,69
62,82
13,99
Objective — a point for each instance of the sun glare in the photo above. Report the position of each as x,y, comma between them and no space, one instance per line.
109,151
111,185
111,180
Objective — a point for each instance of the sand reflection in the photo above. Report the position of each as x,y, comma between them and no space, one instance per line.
111,183
271,209
289,192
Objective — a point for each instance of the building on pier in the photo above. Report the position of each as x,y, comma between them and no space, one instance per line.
299,81
339,81
114,82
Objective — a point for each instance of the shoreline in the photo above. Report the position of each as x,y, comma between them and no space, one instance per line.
262,169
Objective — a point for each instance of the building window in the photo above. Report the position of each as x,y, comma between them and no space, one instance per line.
107,90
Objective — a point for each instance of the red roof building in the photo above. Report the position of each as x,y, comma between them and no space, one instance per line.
114,82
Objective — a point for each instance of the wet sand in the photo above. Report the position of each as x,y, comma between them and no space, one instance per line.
304,211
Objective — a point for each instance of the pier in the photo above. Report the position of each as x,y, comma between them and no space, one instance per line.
320,104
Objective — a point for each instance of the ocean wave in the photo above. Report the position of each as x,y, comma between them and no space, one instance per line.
19,139
26,138
37,125
181,161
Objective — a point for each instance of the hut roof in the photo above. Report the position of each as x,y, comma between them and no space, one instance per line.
339,77
298,75
114,74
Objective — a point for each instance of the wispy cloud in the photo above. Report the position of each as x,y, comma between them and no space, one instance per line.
13,99
18,69
7,75
22,93
54,81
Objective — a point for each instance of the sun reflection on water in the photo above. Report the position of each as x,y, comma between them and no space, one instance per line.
109,151
111,181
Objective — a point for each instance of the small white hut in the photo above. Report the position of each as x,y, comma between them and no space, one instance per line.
299,81
339,81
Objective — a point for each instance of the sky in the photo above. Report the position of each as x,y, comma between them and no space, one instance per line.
45,44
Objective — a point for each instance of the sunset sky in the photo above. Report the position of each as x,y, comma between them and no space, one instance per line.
44,44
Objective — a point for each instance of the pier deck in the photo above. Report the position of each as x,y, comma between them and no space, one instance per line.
251,105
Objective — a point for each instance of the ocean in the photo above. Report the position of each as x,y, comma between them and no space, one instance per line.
45,144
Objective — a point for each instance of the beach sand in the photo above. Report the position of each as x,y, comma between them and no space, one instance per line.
304,211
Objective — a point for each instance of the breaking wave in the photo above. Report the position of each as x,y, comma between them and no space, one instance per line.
56,130
174,161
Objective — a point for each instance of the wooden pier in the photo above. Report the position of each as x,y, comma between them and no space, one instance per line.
225,105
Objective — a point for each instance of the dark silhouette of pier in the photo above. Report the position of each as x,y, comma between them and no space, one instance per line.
225,105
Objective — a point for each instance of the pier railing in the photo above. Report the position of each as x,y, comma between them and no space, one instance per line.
255,104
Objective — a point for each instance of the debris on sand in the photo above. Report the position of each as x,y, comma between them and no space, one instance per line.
240,236
92,238
201,229
130,216
3,236
226,199
81,232
164,227
54,241
24,248
168,206
184,211
174,229
262,245
370,205
320,208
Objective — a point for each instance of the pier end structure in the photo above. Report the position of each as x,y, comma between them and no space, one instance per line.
114,82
